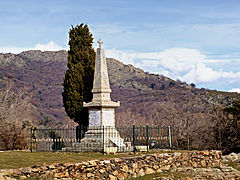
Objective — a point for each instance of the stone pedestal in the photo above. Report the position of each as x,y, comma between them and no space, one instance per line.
107,139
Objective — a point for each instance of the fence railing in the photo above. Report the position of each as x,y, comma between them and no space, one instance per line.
101,139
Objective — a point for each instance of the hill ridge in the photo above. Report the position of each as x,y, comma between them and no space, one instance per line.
145,98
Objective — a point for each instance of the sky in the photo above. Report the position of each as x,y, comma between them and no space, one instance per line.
195,41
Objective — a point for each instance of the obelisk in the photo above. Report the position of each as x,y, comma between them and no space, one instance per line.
101,109
101,133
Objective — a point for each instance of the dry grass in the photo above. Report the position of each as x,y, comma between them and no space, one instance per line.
173,175
234,165
17,159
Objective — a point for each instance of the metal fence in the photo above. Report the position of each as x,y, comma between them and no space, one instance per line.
101,139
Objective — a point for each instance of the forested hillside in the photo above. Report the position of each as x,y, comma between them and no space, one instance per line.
145,98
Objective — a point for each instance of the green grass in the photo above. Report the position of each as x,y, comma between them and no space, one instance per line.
17,159
234,165
173,175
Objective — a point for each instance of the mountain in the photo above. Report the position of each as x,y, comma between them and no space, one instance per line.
145,98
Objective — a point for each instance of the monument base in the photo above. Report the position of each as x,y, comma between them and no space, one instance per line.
105,139
99,139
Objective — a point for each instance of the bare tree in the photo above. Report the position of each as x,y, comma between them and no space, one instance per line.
227,128
16,115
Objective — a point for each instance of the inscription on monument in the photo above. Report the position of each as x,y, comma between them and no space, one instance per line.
94,118
108,117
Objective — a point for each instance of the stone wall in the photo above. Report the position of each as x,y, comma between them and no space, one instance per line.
122,168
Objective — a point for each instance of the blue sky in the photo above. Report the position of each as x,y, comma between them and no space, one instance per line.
191,40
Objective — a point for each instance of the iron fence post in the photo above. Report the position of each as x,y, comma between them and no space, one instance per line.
134,148
170,136
103,140
159,137
147,136
31,139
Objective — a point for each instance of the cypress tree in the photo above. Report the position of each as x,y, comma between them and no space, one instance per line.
78,80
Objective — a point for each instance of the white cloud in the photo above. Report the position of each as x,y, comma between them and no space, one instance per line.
200,73
188,65
14,50
235,90
50,46
165,73
127,57
176,61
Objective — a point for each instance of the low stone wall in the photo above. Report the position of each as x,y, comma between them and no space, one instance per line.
122,168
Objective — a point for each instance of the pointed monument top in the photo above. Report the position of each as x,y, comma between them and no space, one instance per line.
100,43
101,88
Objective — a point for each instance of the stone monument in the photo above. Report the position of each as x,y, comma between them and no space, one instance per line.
102,109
